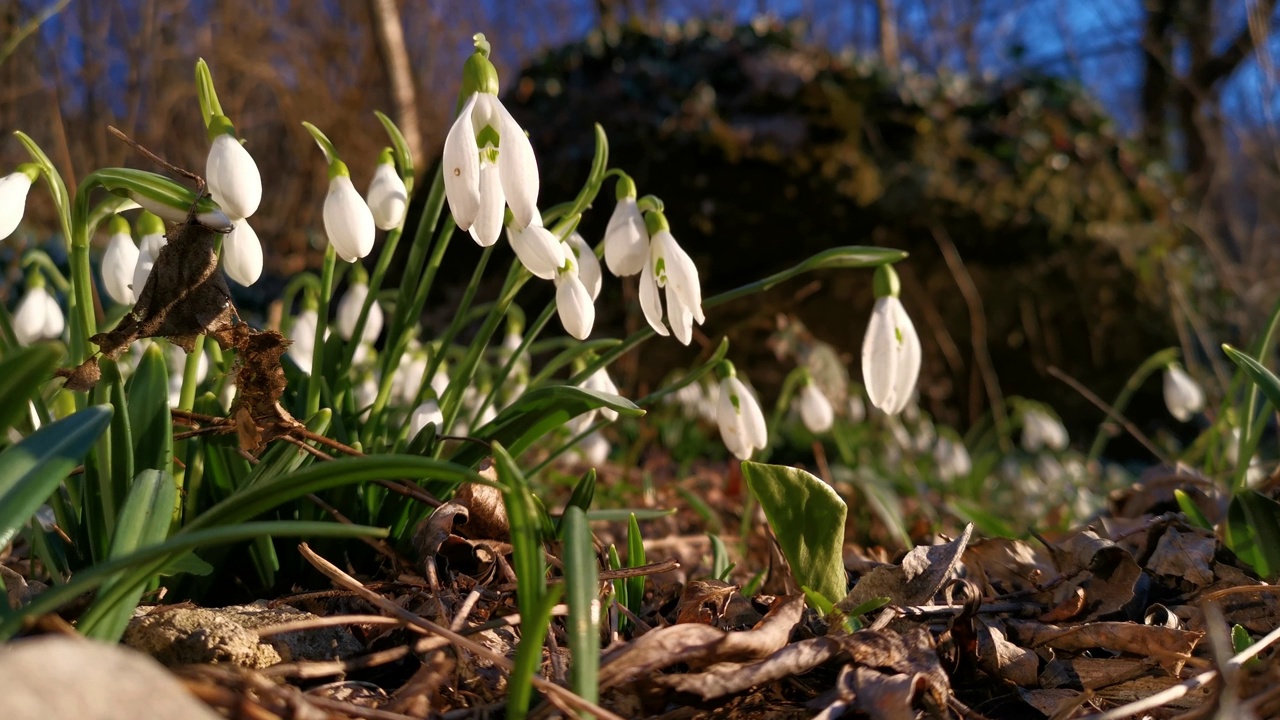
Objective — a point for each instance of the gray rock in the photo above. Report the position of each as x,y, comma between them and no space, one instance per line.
66,678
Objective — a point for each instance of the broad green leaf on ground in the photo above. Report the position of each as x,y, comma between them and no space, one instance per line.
807,517
537,413
149,417
31,470
1253,532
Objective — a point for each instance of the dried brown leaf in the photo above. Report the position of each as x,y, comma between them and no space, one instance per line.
728,678
915,581
704,601
487,514
1003,565
1170,647
702,645
1111,572
1002,659
1185,555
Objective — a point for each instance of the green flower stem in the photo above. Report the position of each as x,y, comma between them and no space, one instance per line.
530,335
298,283
1250,432
1157,360
459,317
840,257
40,259
322,324
375,286
452,401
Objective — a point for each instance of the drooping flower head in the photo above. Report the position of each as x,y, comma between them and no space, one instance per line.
13,196
1182,395
38,315
488,161
815,409
151,241
626,241
302,336
242,254
351,305
587,262
388,197
539,249
348,222
233,177
669,266
890,348
573,301
118,263
1041,430
738,414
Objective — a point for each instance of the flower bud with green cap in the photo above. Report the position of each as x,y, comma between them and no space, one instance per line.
38,315
352,303
815,409
626,241
13,196
488,161
738,414
302,335
233,177
119,261
348,222
388,197
891,352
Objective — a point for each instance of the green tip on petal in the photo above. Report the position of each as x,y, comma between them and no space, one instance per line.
626,187
150,224
35,279
220,125
119,225
337,168
725,369
387,157
359,276
886,283
478,74
655,222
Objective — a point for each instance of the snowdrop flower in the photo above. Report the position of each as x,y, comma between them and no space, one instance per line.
593,449
13,196
364,393
408,377
952,458
1182,395
242,254
38,315
890,348
352,303
488,161
428,413
670,267
151,228
177,359
587,264
815,409
738,413
539,250
118,263
599,381
857,408
234,181
388,197
1040,430
348,222
573,302
626,241
302,338
1255,473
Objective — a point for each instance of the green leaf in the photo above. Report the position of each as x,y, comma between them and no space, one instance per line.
807,517
142,562
1191,510
1253,532
635,558
537,413
144,520
160,195
22,374
583,493
205,92
619,586
150,421
1266,381
582,574
528,661
620,514
400,146
527,556
32,470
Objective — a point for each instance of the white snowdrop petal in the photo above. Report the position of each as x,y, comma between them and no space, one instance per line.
815,409
518,166
29,316
428,413
233,177
348,223
388,197
488,226
118,263
908,359
148,250
303,340
13,201
682,274
349,308
573,303
1182,394
680,317
462,167
878,367
587,263
626,242
539,251
650,303
242,254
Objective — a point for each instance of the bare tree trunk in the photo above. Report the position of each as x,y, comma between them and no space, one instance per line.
1156,73
389,36
889,52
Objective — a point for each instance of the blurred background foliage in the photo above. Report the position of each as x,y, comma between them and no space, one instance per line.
1078,184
